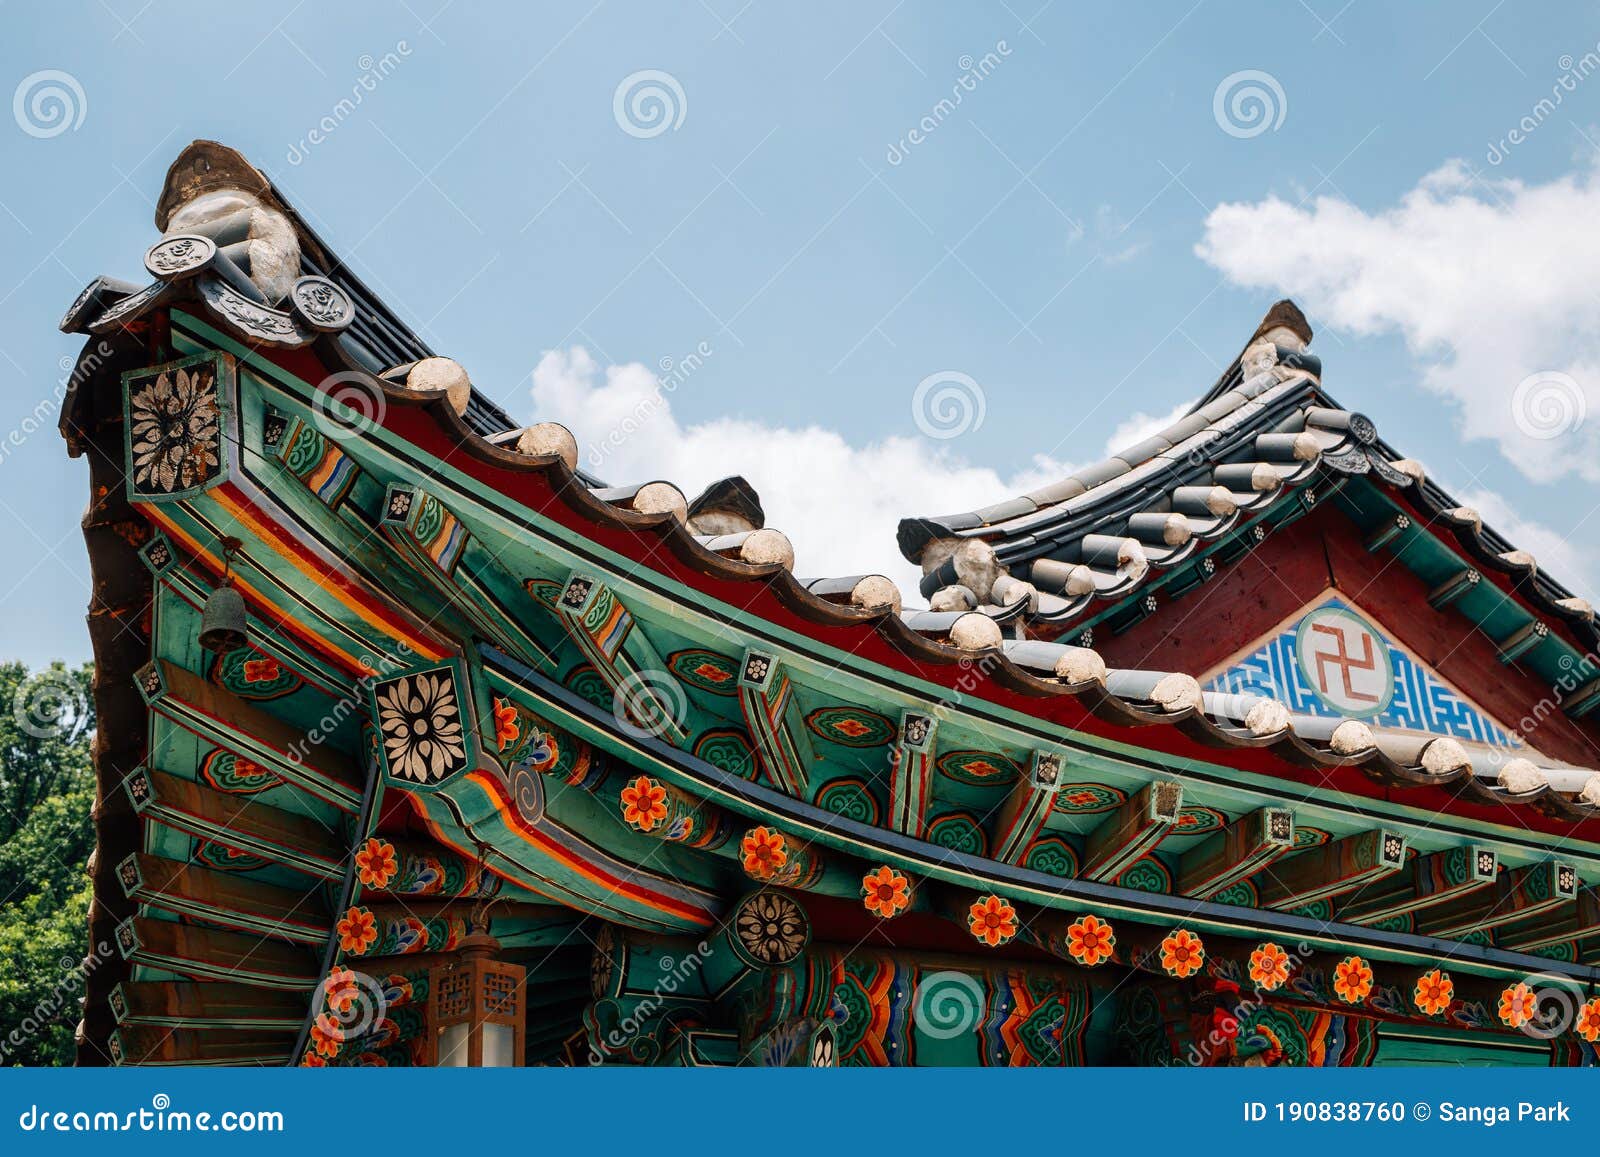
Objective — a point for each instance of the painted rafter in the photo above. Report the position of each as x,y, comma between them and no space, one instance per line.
1576,921
212,954
1517,894
1429,880
1332,869
1236,853
911,775
238,822
207,1005
1133,830
157,1045
608,634
771,712
1027,807
230,722
225,898
438,546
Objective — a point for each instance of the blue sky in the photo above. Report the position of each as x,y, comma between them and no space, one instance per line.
1082,236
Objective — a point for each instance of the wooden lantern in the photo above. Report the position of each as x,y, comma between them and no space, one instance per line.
477,1014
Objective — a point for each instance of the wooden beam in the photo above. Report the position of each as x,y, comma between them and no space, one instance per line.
1022,817
223,718
189,1004
773,718
1575,921
1453,588
1236,853
428,868
1516,895
226,898
1429,880
1517,644
1137,825
240,822
911,776
137,1045
1331,869
1386,532
210,954
603,628
440,549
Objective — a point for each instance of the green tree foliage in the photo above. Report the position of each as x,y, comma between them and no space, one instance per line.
46,793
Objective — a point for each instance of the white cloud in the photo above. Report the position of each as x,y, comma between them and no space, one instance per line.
1567,562
1140,426
839,503
1488,282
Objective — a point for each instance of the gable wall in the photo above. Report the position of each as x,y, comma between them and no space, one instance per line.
1291,569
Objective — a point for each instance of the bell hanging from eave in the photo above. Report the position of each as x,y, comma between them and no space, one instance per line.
222,623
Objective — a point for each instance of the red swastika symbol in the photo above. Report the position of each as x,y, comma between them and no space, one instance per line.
1345,661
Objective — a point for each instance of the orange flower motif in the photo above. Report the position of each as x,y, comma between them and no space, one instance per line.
376,864
1090,940
1434,992
1518,1006
261,670
505,724
644,803
886,892
1182,953
1269,967
358,931
340,989
1352,980
992,921
312,1061
1588,1025
764,852
326,1035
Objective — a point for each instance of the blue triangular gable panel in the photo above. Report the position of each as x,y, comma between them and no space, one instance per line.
1333,661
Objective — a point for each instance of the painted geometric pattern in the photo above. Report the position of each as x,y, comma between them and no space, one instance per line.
228,772
1084,798
706,670
851,798
1199,821
729,749
960,832
253,674
318,461
978,767
1334,662
1052,855
851,726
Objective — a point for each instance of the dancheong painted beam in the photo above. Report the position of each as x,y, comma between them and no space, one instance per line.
480,702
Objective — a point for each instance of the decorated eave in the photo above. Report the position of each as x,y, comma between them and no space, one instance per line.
1106,547
709,722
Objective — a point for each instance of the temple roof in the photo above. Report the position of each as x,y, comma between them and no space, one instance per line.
1264,432
540,580
1260,439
